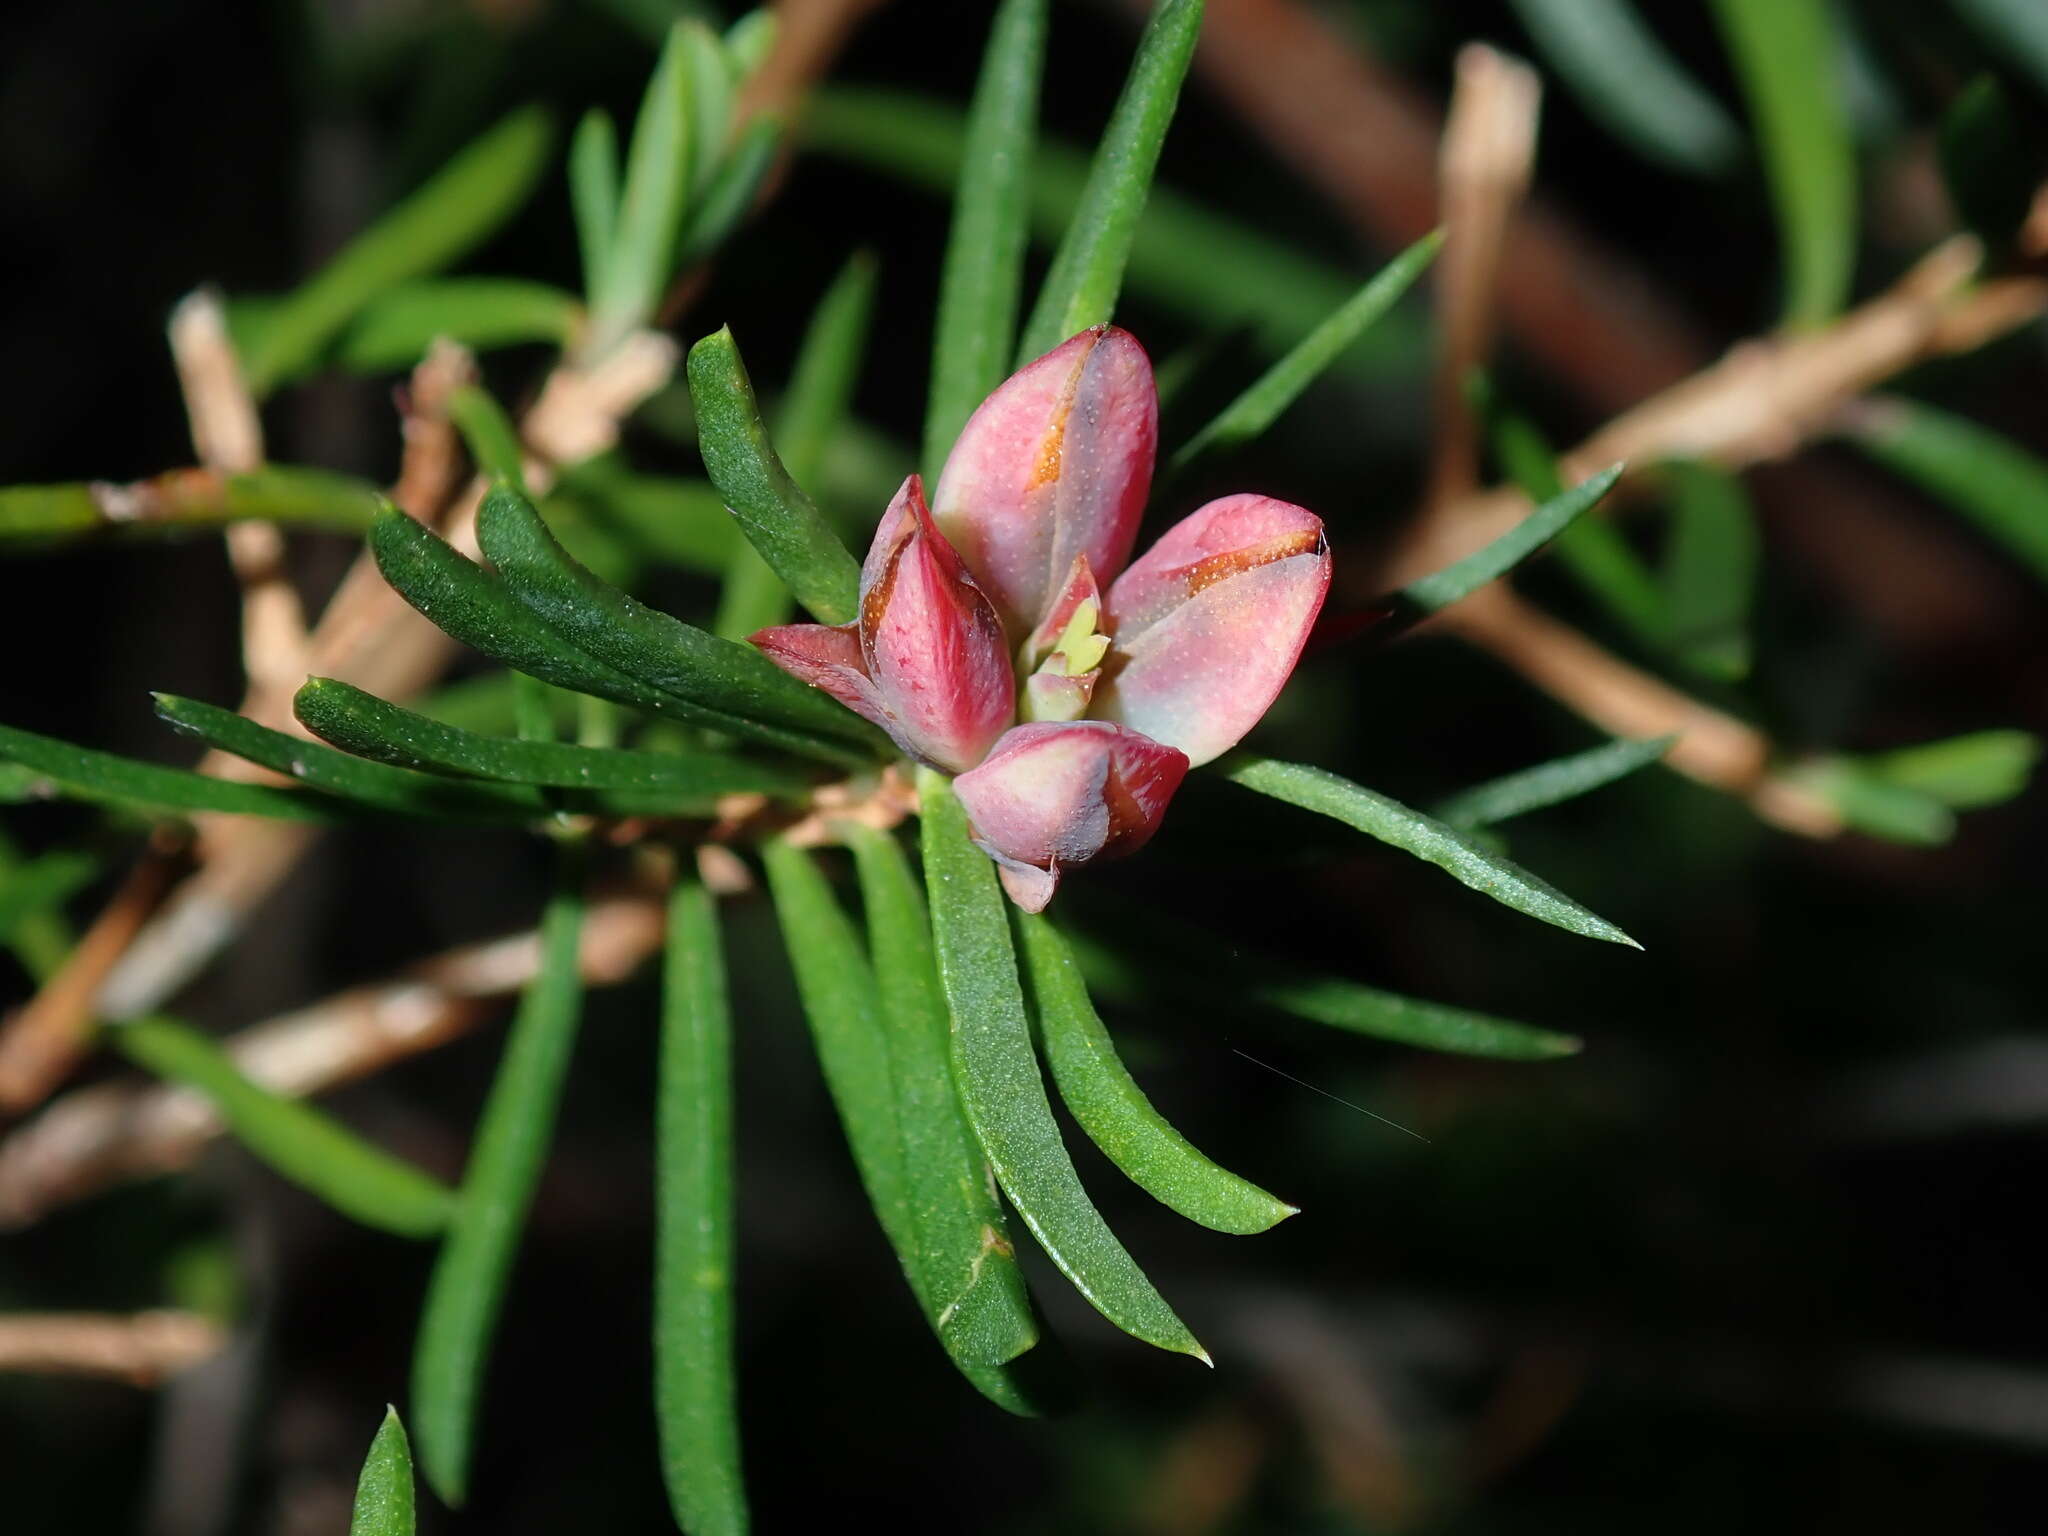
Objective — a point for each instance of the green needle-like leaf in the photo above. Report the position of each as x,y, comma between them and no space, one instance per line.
654,649
467,1289
370,727
777,517
1784,54
1088,268
465,201
652,204
1314,789
32,897
696,1399
820,394
314,1151
982,282
1627,80
1551,783
731,190
373,784
184,501
488,433
384,1498
1001,1088
1410,1021
1710,573
1113,1109
396,329
1964,772
594,193
85,774
710,98
1988,478
968,1265
1251,413
1442,588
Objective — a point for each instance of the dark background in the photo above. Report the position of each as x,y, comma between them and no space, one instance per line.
1763,1257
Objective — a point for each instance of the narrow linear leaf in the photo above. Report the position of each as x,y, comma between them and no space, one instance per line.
1627,80
748,41
32,888
1251,413
1087,270
183,501
594,193
664,518
1965,772
1870,804
306,1146
970,1279
1784,54
727,677
384,1496
1442,588
488,434
370,727
1213,271
820,394
982,281
467,1289
1551,783
772,510
696,1396
1314,789
1710,572
732,190
710,97
396,329
1410,1021
1114,1110
465,201
651,205
82,773
1001,1089
1987,477
372,784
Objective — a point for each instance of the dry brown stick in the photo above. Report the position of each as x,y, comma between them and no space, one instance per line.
1489,151
141,1349
112,1132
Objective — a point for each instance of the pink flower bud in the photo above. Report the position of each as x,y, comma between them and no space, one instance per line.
1211,620
926,660
1054,795
1056,463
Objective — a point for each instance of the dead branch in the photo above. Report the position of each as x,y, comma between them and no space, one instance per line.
141,1349
114,1132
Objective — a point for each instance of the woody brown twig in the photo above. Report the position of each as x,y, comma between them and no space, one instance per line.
141,1349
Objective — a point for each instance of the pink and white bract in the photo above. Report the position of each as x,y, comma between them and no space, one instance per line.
1176,658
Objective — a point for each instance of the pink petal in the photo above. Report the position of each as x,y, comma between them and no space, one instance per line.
1054,795
1056,463
826,656
930,640
1211,620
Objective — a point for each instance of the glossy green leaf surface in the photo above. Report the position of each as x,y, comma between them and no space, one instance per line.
779,520
85,774
1442,588
467,1289
384,1496
1102,1095
1551,783
452,212
736,682
1785,56
1251,413
373,784
1376,815
305,1145
1614,64
696,1397
1087,270
970,1279
1001,1089
371,727
982,282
